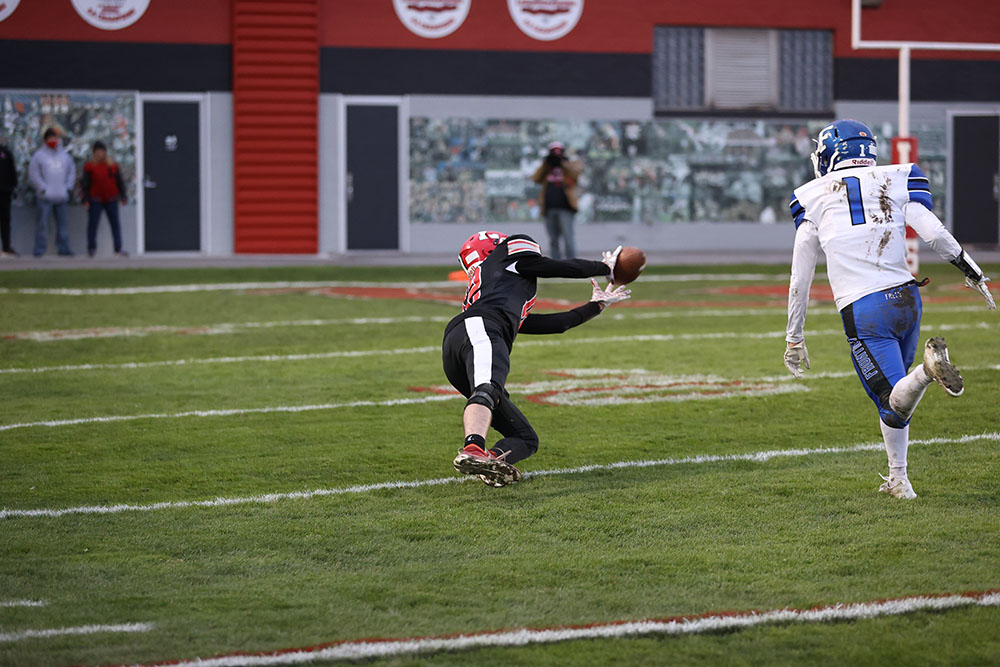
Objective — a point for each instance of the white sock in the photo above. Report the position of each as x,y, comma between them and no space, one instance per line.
908,392
897,441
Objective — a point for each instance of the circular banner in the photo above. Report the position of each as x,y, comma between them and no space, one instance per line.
110,14
545,19
7,8
432,18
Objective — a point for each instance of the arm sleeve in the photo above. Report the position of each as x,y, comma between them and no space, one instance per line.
85,183
122,194
536,266
557,323
930,229
35,175
804,258
70,173
540,174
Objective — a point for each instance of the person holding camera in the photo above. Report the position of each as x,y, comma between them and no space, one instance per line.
558,201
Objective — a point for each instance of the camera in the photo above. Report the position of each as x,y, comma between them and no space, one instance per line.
554,159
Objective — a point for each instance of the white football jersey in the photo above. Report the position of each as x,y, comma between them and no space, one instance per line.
858,214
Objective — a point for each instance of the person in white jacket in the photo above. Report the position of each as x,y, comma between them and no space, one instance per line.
52,173
856,213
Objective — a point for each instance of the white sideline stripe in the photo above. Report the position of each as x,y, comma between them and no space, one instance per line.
228,287
225,328
23,603
78,630
652,338
755,457
232,412
370,649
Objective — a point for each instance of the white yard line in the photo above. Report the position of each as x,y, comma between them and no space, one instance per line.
527,341
230,412
23,603
754,457
228,328
78,630
232,287
368,649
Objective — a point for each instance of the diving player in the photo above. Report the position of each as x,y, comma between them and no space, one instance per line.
856,213
502,274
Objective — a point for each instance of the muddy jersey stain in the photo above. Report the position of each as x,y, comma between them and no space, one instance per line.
884,216
884,241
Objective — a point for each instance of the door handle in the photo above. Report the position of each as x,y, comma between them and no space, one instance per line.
349,187
148,183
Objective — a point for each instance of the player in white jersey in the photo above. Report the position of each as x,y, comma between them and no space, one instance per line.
856,213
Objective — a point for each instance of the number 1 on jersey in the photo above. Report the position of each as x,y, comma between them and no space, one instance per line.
853,185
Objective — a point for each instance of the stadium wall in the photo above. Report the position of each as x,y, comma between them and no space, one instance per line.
486,68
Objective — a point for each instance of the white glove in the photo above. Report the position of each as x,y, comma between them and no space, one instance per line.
796,357
983,289
610,257
607,296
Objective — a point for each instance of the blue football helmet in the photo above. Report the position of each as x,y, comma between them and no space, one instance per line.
842,144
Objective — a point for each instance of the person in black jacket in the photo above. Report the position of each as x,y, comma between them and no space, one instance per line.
503,272
8,182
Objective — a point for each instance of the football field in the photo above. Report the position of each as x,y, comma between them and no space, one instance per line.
254,465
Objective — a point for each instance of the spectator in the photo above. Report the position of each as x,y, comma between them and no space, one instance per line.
8,182
102,189
558,200
52,173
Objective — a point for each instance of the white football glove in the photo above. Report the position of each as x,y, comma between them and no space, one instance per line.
607,296
983,289
610,257
796,357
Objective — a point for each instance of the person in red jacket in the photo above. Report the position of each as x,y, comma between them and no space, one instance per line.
102,190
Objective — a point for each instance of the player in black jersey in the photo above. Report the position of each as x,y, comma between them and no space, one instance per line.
502,274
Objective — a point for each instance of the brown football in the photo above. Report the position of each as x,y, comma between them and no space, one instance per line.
631,262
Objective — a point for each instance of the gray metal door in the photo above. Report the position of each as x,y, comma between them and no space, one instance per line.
172,179
975,178
372,177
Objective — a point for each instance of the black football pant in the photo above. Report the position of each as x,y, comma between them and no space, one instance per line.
474,353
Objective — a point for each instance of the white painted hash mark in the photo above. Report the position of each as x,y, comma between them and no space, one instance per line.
367,649
23,603
78,630
753,457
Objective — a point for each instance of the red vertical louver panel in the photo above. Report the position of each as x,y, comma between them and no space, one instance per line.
275,126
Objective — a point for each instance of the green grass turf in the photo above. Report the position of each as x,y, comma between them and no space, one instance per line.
554,550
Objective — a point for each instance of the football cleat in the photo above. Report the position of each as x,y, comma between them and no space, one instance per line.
897,487
940,369
485,464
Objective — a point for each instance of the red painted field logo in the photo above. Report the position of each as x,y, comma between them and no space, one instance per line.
432,18
110,14
7,8
545,19
603,386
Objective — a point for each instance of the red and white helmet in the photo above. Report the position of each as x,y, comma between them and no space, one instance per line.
477,248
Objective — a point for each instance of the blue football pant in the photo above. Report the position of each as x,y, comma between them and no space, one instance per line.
883,330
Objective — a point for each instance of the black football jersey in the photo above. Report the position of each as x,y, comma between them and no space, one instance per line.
502,289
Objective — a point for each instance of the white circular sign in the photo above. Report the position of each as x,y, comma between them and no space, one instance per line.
110,14
545,19
7,8
432,18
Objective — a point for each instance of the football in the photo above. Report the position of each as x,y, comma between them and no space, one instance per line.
631,262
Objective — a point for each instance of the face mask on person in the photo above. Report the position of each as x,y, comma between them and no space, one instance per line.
52,143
